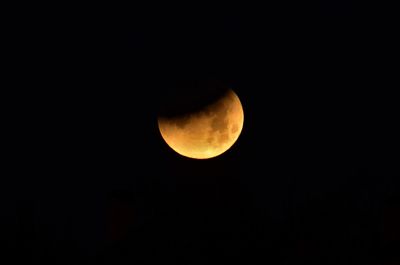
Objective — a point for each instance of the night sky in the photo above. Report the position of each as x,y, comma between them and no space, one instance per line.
313,178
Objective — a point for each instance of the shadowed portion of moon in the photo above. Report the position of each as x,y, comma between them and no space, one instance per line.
204,131
188,97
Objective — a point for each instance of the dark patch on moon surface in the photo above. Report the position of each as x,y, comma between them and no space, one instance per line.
220,121
210,139
182,122
223,138
235,128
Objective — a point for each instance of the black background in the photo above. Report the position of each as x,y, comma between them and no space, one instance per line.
313,178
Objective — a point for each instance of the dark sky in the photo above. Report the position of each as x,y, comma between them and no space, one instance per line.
313,178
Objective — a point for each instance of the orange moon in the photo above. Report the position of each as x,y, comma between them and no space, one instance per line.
208,132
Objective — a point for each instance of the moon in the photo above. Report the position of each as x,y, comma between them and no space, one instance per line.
208,132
